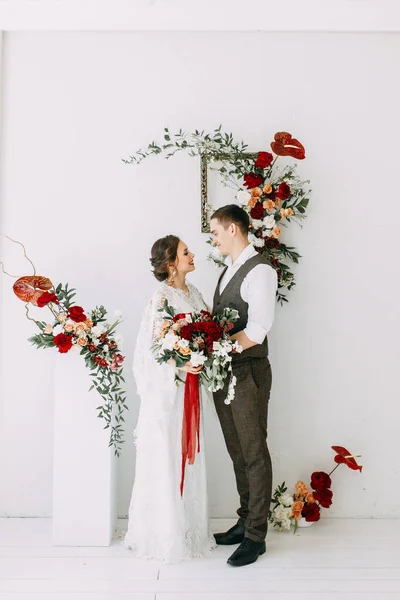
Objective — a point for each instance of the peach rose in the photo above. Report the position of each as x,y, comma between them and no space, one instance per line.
68,327
62,317
297,507
286,212
79,328
48,329
185,351
276,232
89,323
269,205
310,497
82,341
256,192
301,488
267,189
252,202
278,202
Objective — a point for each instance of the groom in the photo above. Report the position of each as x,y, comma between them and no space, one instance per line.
248,284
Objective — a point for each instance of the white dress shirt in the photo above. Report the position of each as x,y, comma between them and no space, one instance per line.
258,290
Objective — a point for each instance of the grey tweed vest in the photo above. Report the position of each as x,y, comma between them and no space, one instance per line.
232,298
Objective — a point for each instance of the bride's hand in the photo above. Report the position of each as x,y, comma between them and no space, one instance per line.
189,368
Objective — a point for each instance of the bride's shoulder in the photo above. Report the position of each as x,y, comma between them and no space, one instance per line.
162,293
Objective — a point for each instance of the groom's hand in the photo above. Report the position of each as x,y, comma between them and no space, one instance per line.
243,340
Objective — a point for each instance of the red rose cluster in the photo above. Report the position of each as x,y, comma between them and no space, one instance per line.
208,331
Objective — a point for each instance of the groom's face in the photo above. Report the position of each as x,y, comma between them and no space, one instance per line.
222,238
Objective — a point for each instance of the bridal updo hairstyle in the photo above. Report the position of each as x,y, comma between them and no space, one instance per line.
163,252
232,213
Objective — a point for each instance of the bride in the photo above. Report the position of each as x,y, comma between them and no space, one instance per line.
163,524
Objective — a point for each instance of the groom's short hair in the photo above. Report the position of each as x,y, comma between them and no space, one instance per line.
232,213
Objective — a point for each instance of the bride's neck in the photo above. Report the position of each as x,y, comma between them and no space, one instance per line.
179,282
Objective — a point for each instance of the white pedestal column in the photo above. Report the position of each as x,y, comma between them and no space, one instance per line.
84,469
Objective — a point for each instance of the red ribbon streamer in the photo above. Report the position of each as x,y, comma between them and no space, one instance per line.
190,422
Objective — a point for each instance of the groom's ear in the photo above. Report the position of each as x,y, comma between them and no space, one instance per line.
233,228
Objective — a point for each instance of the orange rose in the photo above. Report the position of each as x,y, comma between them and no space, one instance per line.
256,192
278,202
297,515
297,507
269,205
301,488
310,497
82,341
252,202
267,189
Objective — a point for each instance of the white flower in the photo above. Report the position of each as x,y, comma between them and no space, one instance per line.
286,500
105,348
76,348
237,347
98,330
243,197
117,313
231,390
285,524
197,359
188,317
183,343
257,242
257,223
169,341
269,222
281,513
118,339
57,329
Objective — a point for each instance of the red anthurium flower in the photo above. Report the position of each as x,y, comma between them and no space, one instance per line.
345,457
31,287
285,145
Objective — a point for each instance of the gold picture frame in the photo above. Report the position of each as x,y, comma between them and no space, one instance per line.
206,205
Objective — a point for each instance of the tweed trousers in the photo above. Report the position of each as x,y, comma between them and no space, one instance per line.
244,425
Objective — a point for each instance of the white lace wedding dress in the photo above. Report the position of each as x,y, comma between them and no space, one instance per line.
162,524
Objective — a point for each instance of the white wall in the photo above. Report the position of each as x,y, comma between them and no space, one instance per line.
76,103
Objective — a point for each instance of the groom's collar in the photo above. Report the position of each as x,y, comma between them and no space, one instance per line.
245,254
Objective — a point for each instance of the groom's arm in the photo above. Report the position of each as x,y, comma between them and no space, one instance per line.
259,291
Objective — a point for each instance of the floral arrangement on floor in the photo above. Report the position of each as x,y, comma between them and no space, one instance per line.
203,340
273,196
72,329
303,506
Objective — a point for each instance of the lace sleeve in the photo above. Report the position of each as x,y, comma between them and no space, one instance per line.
200,302
155,383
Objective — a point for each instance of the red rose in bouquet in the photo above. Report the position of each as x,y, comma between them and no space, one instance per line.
251,180
76,314
320,481
46,298
283,191
264,159
63,342
178,317
324,497
311,512
257,212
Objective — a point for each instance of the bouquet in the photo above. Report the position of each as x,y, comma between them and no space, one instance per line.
306,502
203,340
70,329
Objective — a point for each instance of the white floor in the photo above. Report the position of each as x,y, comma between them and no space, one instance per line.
334,559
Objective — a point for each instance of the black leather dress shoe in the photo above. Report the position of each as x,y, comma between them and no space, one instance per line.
234,535
247,553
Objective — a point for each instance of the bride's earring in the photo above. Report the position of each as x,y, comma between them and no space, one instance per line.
171,276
